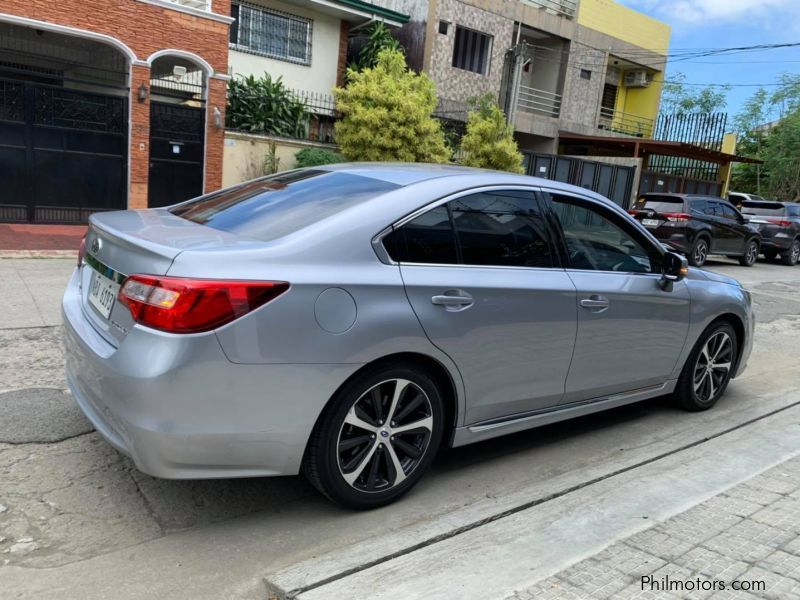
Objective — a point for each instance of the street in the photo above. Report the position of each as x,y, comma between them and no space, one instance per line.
499,519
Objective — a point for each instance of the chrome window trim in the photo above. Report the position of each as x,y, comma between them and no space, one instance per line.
383,254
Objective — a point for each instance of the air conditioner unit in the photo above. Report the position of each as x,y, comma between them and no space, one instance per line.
637,79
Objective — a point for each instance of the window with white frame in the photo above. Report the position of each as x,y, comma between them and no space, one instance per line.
271,33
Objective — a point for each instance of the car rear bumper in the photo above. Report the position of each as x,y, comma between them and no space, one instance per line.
779,243
180,409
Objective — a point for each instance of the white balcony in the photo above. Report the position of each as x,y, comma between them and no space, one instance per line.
564,8
626,123
204,5
539,102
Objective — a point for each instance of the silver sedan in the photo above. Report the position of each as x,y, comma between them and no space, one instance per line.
347,321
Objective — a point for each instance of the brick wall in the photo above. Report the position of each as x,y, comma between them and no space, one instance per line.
147,28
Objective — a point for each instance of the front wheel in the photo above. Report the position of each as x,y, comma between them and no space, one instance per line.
708,369
792,256
377,437
748,259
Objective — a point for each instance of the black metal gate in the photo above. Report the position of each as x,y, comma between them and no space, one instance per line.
176,153
63,153
612,181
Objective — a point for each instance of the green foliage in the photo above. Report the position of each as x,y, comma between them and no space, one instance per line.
378,37
489,141
778,146
782,158
678,98
265,105
312,157
386,114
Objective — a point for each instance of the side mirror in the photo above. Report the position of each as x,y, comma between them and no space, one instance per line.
674,268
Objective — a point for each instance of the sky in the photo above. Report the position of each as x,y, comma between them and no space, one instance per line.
724,24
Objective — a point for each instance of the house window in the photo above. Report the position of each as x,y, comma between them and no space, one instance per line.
472,50
586,74
271,33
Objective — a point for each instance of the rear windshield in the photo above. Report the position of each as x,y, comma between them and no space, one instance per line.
764,208
272,207
660,204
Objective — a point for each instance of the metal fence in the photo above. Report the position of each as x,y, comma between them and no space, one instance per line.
538,101
565,8
700,129
627,123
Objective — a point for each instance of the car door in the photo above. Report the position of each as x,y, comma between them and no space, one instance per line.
720,242
630,331
736,231
483,279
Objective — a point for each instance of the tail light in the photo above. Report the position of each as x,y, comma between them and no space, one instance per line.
779,222
633,212
677,216
82,250
180,305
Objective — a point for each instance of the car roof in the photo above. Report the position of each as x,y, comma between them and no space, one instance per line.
405,174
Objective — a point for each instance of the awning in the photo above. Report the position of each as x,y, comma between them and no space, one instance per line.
637,147
358,11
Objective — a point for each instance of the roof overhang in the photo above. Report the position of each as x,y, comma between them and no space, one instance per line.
636,147
358,12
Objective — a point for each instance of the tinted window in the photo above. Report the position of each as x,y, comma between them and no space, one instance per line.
502,229
729,212
660,204
772,209
713,209
596,243
427,239
793,210
272,207
698,205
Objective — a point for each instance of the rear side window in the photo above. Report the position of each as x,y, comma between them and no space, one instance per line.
273,207
793,210
770,209
503,228
498,228
660,204
698,205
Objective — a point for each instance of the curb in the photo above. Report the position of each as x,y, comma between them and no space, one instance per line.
39,254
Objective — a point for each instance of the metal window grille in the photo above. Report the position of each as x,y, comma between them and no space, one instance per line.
472,50
271,33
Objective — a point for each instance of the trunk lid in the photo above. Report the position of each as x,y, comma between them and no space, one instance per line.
122,243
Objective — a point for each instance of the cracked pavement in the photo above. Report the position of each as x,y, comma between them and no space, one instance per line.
71,505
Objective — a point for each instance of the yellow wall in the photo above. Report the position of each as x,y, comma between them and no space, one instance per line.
626,24
642,102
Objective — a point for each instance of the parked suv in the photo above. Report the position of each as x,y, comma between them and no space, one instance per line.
738,198
698,226
779,225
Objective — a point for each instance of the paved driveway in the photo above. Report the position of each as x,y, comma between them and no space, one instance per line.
78,521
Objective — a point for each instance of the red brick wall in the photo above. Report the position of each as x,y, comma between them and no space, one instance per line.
146,29
342,65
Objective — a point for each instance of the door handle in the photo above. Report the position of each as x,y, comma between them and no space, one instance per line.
453,300
595,303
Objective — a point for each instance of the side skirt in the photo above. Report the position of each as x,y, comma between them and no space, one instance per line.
485,430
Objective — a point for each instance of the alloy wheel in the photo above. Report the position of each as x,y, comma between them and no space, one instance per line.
700,252
794,253
385,435
713,366
751,255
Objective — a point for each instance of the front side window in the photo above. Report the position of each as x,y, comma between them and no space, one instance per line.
472,50
596,243
271,33
729,212
499,228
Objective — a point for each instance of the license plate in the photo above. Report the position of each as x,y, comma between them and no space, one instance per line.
651,222
103,293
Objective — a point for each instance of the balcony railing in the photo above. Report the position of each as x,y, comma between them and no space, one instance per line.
196,4
566,8
627,123
538,101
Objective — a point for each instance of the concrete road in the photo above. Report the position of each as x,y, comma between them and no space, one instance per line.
77,521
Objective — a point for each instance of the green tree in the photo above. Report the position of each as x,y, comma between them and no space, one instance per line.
386,114
750,131
678,97
377,37
265,105
489,141
782,158
313,157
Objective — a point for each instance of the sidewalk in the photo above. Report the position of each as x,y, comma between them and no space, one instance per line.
749,534
26,237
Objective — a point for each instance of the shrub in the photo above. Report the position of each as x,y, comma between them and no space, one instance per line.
386,114
489,141
265,105
312,157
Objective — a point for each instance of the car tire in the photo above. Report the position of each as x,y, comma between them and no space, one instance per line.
708,369
748,259
699,252
792,256
770,254
383,425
